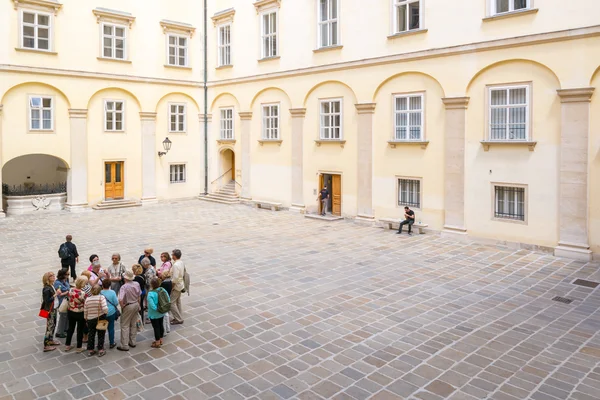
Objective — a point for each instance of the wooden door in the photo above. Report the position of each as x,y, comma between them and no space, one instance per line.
336,195
114,185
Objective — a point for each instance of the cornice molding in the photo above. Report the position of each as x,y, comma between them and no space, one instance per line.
514,42
46,5
298,112
208,117
365,108
223,16
245,115
262,5
147,116
80,113
177,27
120,17
456,103
579,95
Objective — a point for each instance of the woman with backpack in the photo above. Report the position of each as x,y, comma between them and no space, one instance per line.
158,305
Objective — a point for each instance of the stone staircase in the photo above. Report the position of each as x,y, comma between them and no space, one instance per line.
113,204
226,195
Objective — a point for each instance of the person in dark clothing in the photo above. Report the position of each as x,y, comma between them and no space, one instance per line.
409,219
71,261
324,199
148,254
141,280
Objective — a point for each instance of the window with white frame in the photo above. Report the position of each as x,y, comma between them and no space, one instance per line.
408,117
329,23
227,124
177,118
407,15
504,6
113,115
224,45
409,192
509,203
177,173
509,113
177,50
270,115
35,30
269,35
41,111
114,39
331,119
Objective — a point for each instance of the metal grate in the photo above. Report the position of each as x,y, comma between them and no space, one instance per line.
562,300
583,282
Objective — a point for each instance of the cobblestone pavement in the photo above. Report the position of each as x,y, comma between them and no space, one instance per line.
286,307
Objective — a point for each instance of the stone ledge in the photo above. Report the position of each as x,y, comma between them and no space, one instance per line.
510,14
340,142
328,48
422,143
267,141
487,143
407,33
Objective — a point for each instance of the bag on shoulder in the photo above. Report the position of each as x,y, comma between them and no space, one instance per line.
63,251
164,303
186,282
64,305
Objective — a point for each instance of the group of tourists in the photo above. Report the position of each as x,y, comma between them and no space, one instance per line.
99,297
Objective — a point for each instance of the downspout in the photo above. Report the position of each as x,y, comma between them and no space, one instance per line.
205,104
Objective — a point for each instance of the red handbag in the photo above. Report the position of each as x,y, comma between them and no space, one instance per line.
44,314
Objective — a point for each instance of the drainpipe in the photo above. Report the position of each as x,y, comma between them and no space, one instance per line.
205,104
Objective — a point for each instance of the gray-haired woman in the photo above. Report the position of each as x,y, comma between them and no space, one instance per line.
116,271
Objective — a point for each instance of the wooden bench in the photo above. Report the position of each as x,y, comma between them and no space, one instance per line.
266,204
389,222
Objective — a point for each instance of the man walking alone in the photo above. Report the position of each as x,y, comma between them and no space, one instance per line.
69,256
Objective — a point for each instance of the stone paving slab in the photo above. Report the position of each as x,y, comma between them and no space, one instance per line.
284,307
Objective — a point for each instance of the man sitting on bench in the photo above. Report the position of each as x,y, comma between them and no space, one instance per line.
409,219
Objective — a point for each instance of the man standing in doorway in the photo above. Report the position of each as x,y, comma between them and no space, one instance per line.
177,272
69,256
409,219
324,198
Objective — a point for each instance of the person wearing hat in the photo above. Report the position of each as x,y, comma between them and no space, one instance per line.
129,298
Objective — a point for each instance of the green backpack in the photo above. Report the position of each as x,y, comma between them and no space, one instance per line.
164,303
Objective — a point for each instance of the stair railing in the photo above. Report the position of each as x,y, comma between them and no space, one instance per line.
220,177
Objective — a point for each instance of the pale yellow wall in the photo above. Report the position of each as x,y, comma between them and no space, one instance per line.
35,168
594,159
218,166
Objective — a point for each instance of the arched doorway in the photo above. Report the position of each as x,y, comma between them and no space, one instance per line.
227,166
34,182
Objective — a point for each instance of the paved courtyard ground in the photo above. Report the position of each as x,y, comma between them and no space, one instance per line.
286,307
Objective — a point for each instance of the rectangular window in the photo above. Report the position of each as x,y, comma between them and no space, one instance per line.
407,15
41,110
409,192
509,113
35,30
227,124
269,35
113,41
504,6
509,203
331,120
177,122
328,23
408,117
270,121
177,46
224,45
113,115
177,173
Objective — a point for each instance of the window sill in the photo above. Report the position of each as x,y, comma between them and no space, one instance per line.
226,141
487,143
328,48
27,50
113,60
267,59
510,221
267,141
510,14
325,141
114,132
41,131
225,66
177,132
178,67
176,183
407,33
422,143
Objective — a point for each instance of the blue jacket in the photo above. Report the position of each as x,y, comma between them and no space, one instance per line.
64,287
153,304
111,300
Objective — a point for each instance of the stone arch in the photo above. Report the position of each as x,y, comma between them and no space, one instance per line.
177,93
38,168
257,95
36,83
596,72
237,103
504,62
114,88
324,83
406,73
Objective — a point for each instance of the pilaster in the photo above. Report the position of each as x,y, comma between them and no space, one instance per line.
365,161
454,172
246,118
2,214
573,174
77,176
149,154
207,154
298,115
